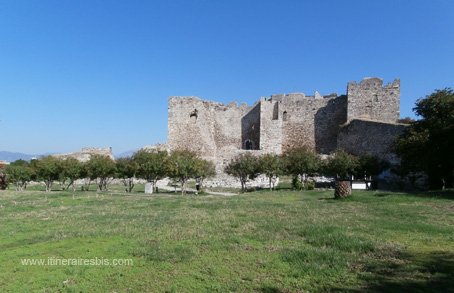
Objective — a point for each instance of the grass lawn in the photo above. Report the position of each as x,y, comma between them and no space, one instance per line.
263,241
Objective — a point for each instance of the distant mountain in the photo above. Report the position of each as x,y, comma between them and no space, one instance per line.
11,157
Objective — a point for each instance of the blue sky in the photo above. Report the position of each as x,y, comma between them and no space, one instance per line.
99,73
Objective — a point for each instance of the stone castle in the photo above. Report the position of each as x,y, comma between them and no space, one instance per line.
85,154
364,120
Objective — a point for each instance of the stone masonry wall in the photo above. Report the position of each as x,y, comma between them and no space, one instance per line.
219,132
370,137
214,127
250,128
371,100
311,121
85,154
270,127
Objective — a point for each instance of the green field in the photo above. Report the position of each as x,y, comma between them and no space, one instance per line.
261,241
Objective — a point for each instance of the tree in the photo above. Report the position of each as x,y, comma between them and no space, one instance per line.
48,169
3,183
84,173
427,143
406,120
369,165
126,171
301,162
203,170
271,166
151,165
19,173
101,168
72,169
182,167
342,165
245,167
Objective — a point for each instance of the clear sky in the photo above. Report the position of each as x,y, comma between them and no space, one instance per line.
98,73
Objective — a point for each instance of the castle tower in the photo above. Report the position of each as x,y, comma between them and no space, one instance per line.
371,100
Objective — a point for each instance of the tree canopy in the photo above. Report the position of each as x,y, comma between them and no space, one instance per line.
126,171
183,164
151,165
341,165
48,169
101,168
427,144
271,166
245,167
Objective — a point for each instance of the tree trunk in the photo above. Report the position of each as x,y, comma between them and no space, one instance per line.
131,184
98,185
48,185
70,184
243,185
342,189
154,185
183,190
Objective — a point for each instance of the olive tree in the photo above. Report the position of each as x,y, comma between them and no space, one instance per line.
203,170
126,171
102,169
301,162
48,170
72,170
245,167
183,166
19,174
271,166
151,165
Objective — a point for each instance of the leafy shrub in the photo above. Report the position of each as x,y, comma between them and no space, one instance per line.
297,184
310,185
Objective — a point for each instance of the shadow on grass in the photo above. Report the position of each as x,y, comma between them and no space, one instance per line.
441,194
432,272
382,194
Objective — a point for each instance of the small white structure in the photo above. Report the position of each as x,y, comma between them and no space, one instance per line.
148,188
359,185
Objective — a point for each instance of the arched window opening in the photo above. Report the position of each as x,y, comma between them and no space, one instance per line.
284,116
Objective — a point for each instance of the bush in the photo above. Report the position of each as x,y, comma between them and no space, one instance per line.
310,185
297,184
3,184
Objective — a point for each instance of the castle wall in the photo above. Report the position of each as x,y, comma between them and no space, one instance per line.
206,131
311,121
327,122
370,137
85,154
270,127
219,132
250,128
371,100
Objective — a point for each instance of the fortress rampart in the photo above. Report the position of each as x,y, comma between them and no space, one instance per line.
275,124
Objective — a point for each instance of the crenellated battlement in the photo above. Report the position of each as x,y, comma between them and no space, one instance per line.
370,99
